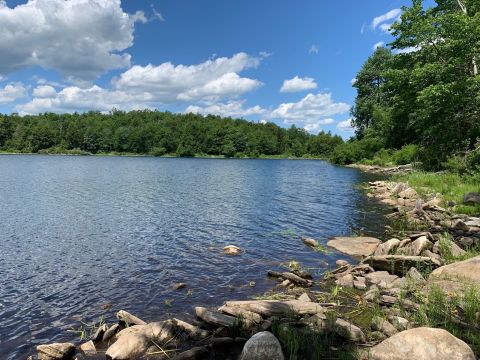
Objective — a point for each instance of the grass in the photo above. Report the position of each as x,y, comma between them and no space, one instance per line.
451,186
86,330
446,242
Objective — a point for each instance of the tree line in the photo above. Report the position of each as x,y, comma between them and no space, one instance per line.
421,94
158,133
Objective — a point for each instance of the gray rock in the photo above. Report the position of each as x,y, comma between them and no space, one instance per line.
56,351
417,247
466,272
471,198
400,323
349,331
378,276
399,264
415,276
88,348
309,241
340,263
129,319
345,281
388,247
111,331
383,325
262,346
422,344
360,283
304,297
460,225
408,194
232,250
355,246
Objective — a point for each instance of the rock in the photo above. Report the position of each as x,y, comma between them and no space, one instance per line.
262,346
448,248
88,348
460,225
466,272
317,323
269,308
473,222
56,351
134,341
110,332
415,276
432,255
399,187
310,242
232,250
215,318
378,276
383,325
471,198
409,193
345,281
98,335
129,319
422,344
349,331
399,264
467,242
178,286
387,248
304,297
340,263
417,247
360,283
355,246
196,353
399,283
400,323
248,317
193,331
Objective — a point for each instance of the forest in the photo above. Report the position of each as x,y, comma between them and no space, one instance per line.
158,133
419,98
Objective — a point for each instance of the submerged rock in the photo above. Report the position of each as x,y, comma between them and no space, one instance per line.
355,246
262,346
422,344
232,250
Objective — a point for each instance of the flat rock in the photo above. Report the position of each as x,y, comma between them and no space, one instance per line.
378,276
355,246
56,351
400,264
466,272
262,346
422,344
345,281
215,318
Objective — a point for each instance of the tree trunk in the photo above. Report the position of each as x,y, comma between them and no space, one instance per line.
465,12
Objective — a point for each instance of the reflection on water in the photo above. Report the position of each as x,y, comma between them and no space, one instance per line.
78,233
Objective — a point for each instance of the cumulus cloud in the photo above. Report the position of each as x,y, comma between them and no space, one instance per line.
233,109
298,84
346,126
12,92
81,39
392,14
210,80
150,86
310,108
314,127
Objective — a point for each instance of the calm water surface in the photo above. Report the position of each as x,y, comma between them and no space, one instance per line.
77,233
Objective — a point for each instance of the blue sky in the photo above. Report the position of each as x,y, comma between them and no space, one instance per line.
290,62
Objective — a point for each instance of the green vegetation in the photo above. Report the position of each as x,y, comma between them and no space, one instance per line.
419,99
452,187
158,134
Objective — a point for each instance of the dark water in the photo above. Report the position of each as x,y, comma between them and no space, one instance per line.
80,232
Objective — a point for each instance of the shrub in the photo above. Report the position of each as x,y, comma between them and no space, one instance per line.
406,155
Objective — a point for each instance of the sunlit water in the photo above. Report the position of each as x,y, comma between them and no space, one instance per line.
77,233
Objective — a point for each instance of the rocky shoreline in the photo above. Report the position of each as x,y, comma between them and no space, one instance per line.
381,307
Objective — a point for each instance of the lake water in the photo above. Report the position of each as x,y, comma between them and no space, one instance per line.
80,233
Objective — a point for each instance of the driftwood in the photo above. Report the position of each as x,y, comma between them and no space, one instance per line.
215,318
291,277
269,308
127,318
193,331
249,317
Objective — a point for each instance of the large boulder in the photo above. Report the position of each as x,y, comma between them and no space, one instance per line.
134,341
355,246
471,198
422,344
56,351
400,264
455,277
262,346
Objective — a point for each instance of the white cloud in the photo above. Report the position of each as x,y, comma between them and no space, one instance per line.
210,80
346,126
385,27
310,108
232,109
81,39
44,91
378,45
392,14
315,127
353,81
12,92
157,14
313,49
298,84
